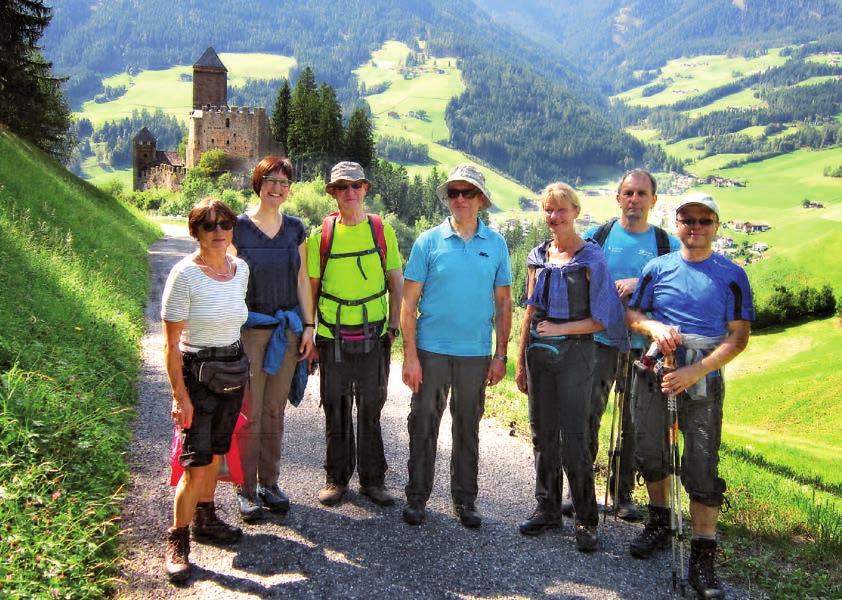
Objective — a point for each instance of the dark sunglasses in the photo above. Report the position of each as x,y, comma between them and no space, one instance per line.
341,187
691,222
225,224
454,193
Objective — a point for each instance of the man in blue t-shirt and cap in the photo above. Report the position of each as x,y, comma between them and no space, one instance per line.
628,242
457,289
696,305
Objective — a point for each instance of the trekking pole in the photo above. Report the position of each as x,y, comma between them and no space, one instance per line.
611,442
625,367
676,518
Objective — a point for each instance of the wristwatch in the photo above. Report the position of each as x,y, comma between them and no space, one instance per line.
394,331
501,357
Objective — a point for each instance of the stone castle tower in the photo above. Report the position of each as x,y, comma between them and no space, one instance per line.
243,133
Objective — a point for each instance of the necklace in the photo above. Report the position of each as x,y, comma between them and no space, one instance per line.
209,268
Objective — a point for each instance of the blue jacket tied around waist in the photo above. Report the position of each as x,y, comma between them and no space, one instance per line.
277,347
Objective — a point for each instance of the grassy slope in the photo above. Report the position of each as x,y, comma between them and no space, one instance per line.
430,92
166,90
74,271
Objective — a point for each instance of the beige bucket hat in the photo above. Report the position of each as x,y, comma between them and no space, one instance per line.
346,171
470,174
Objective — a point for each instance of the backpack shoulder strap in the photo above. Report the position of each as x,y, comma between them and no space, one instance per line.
379,237
662,239
602,233
326,242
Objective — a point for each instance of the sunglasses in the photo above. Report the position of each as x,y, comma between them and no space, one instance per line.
225,224
282,181
341,187
691,222
454,193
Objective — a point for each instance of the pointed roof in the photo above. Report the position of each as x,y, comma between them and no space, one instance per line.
210,60
144,135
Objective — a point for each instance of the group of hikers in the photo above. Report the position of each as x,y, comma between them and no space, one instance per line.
625,305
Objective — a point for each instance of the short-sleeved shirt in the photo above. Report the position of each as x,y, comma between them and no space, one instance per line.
353,277
626,253
456,310
697,297
213,311
273,263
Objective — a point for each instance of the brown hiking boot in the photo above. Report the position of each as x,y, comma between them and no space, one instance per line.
331,494
177,554
377,494
210,528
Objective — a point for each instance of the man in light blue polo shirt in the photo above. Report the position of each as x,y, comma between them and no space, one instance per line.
457,288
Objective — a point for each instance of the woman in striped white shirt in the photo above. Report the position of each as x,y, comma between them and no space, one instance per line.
203,309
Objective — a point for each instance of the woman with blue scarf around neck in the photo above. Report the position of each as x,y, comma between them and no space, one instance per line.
278,337
570,296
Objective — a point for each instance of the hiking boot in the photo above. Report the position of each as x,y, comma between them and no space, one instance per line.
331,494
414,514
627,510
539,522
250,507
586,538
468,515
177,554
567,507
210,528
655,535
377,494
273,498
701,575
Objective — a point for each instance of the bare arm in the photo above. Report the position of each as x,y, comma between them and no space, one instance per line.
737,340
666,336
182,407
305,301
412,375
583,326
394,281
503,327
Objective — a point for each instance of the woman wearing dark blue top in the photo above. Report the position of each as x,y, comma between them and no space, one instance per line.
570,296
279,301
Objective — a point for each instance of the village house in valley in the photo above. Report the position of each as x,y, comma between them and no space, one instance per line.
242,132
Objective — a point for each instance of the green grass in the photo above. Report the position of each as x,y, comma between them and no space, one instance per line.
74,270
98,174
690,77
166,90
431,92
742,99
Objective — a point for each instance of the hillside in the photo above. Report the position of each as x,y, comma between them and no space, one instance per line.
74,271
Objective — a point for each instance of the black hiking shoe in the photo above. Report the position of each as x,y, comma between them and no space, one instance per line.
468,515
701,575
586,538
539,522
626,510
273,498
414,514
208,527
655,534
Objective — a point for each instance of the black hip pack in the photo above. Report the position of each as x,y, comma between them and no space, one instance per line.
222,370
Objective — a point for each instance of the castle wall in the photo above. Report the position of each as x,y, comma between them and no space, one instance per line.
210,87
243,133
161,176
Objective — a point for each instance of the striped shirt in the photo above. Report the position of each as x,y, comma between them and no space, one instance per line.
213,311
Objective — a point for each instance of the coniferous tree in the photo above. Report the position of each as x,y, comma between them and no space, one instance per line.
31,101
359,139
280,114
303,116
329,134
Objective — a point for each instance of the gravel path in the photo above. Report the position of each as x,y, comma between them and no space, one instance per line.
358,550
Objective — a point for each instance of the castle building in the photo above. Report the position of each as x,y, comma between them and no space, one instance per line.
242,132
154,168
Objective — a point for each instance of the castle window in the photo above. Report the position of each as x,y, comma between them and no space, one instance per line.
227,142
227,122
213,141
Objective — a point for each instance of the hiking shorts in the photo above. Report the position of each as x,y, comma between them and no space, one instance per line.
700,421
214,418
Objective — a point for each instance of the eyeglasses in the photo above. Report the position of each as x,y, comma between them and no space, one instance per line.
454,193
691,222
225,224
341,187
282,181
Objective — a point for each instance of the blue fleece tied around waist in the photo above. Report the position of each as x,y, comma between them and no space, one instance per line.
277,347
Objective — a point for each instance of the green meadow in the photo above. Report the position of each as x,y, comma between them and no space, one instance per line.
686,77
171,89
428,91
97,174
